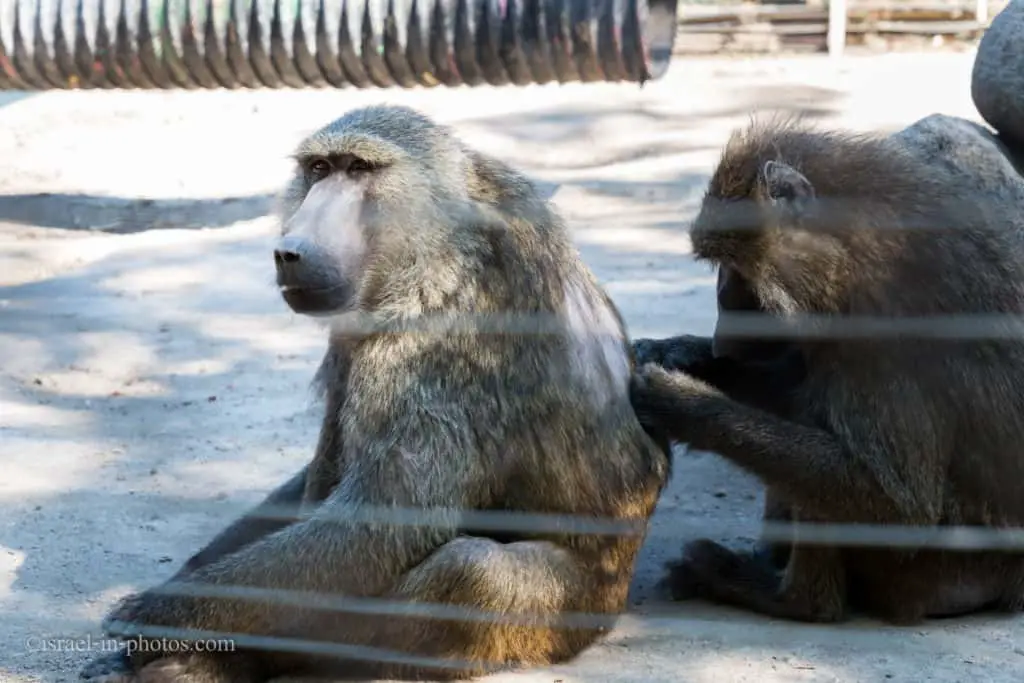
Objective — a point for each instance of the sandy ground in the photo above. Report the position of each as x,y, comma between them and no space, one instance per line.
153,385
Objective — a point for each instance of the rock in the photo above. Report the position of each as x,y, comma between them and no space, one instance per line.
973,153
997,81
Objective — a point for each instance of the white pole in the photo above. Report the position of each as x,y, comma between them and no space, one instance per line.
837,27
981,12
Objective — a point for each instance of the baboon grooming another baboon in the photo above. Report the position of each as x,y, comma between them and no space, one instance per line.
738,366
390,217
913,429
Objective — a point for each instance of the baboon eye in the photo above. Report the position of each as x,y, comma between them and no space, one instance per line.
320,168
357,166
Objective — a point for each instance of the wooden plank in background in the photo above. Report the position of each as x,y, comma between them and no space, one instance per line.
751,27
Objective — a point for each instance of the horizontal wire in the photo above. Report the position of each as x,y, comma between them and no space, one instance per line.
838,214
363,653
959,538
969,326
681,622
374,606
940,537
676,625
975,326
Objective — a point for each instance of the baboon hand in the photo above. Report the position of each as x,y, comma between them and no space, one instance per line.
130,617
121,616
683,353
670,403
124,617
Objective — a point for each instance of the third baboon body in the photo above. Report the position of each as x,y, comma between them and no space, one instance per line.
911,429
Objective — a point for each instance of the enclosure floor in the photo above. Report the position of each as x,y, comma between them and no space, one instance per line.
153,385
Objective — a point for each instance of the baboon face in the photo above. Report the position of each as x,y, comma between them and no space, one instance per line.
758,230
358,187
323,244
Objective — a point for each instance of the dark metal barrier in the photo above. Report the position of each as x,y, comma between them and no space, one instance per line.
57,44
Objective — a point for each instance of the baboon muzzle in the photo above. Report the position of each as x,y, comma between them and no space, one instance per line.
151,44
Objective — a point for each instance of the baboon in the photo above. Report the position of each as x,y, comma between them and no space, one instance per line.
899,429
980,162
391,222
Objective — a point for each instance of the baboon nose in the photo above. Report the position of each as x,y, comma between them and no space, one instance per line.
283,256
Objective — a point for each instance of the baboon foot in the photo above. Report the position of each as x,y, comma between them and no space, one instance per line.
112,667
772,554
117,668
711,571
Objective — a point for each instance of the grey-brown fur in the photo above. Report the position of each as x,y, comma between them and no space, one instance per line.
430,419
903,430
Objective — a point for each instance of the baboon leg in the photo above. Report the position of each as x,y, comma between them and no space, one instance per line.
521,578
936,584
814,584
776,552
524,578
262,520
813,588
1012,599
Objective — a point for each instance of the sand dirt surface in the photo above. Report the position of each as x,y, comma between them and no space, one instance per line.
153,385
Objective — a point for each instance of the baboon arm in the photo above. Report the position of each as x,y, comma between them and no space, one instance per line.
272,514
331,552
808,465
685,353
765,383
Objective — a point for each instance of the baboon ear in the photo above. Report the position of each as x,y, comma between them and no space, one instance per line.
787,186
